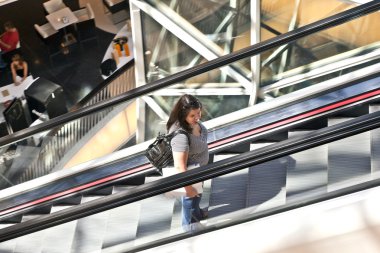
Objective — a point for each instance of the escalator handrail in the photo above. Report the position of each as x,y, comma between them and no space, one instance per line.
129,161
258,48
229,165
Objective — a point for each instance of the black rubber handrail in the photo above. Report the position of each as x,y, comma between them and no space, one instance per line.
258,48
21,202
88,180
229,165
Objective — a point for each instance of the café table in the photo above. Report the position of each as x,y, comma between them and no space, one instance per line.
124,59
8,92
11,91
60,20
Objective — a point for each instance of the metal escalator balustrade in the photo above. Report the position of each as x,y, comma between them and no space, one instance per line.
50,159
350,77
221,139
252,160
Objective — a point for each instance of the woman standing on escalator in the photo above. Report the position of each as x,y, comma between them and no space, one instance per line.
186,115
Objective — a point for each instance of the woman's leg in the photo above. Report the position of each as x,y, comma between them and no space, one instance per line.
191,212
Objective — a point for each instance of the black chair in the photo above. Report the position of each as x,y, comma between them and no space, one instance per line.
85,27
72,4
16,117
119,9
45,96
51,38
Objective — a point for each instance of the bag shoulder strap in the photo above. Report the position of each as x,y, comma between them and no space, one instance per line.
180,131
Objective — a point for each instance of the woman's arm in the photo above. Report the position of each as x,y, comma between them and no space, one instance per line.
14,75
180,163
25,74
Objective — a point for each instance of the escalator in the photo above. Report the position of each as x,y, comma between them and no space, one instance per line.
274,183
350,99
233,137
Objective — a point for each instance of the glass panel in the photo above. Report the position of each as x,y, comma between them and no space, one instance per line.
330,46
281,16
299,64
165,54
322,56
309,61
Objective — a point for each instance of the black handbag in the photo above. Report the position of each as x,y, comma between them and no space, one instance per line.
108,66
159,153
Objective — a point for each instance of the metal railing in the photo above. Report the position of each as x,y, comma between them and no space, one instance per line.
62,139
191,72
203,173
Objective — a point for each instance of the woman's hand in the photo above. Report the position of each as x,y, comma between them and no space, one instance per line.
191,192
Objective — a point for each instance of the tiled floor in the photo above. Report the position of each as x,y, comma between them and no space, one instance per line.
77,72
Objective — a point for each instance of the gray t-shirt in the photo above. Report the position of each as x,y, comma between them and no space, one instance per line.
198,151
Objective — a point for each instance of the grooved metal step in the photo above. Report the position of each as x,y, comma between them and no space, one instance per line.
348,159
266,182
306,171
228,191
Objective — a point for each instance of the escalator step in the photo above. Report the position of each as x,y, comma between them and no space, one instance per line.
228,192
270,137
312,124
12,220
353,112
349,159
306,170
375,144
138,180
41,210
59,239
266,182
128,216
154,221
100,192
236,149
89,233
75,200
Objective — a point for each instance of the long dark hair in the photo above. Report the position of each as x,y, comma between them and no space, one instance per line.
181,109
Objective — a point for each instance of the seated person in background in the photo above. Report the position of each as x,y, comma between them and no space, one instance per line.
19,69
8,40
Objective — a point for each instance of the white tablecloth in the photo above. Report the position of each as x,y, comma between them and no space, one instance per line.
11,91
124,32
